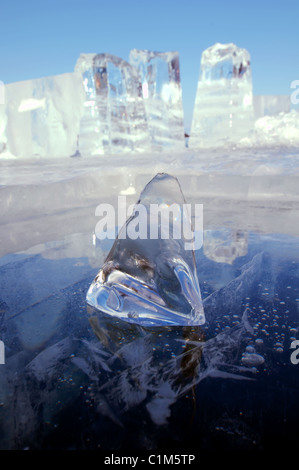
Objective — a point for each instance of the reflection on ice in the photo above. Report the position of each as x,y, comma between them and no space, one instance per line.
188,358
129,367
225,245
117,373
190,353
151,280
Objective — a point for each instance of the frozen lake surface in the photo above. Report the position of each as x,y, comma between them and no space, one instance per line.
77,379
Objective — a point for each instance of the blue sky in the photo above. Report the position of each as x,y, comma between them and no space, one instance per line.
42,38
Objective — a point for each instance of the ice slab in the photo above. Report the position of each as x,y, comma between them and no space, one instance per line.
161,88
114,116
41,117
223,110
149,277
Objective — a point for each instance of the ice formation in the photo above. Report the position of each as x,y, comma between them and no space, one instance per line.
151,279
161,87
114,116
41,117
108,105
223,110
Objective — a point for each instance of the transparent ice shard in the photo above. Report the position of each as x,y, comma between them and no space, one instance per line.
149,277
161,88
223,110
114,116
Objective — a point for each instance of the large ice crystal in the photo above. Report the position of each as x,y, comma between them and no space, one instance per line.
149,277
114,116
161,87
42,116
223,110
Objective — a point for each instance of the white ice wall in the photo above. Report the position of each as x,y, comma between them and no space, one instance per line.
41,117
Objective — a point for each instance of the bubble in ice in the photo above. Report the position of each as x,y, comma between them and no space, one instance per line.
252,359
151,280
259,341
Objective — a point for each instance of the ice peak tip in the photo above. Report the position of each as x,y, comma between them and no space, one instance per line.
163,175
163,187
